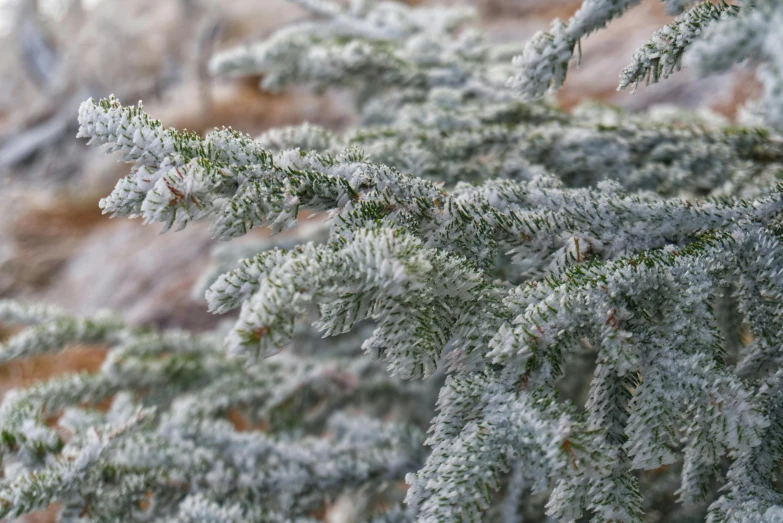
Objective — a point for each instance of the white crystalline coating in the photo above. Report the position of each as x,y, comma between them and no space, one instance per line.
37,489
376,271
306,137
753,37
15,313
343,45
512,254
198,508
411,255
58,331
662,55
542,66
139,138
97,443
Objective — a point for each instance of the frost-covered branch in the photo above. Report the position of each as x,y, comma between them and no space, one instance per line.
542,66
591,296
662,55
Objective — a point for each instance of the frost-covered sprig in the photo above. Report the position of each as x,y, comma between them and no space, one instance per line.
383,43
14,312
132,132
498,425
662,55
548,329
515,286
177,175
543,64
193,385
54,332
752,36
392,275
749,494
274,191
65,479
230,176
638,153
298,475
718,36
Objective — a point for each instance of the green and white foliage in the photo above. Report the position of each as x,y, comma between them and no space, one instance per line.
457,122
712,36
592,301
754,37
662,55
176,391
542,66
357,42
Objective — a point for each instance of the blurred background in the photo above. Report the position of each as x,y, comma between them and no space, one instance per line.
56,247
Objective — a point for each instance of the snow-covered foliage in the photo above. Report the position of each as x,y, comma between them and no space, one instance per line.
712,36
594,298
178,392
662,55
754,36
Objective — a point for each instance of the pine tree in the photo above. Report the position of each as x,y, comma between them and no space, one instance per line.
593,298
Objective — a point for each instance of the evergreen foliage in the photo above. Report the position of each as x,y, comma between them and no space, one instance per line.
593,298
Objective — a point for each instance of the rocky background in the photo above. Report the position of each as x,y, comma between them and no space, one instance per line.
56,247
